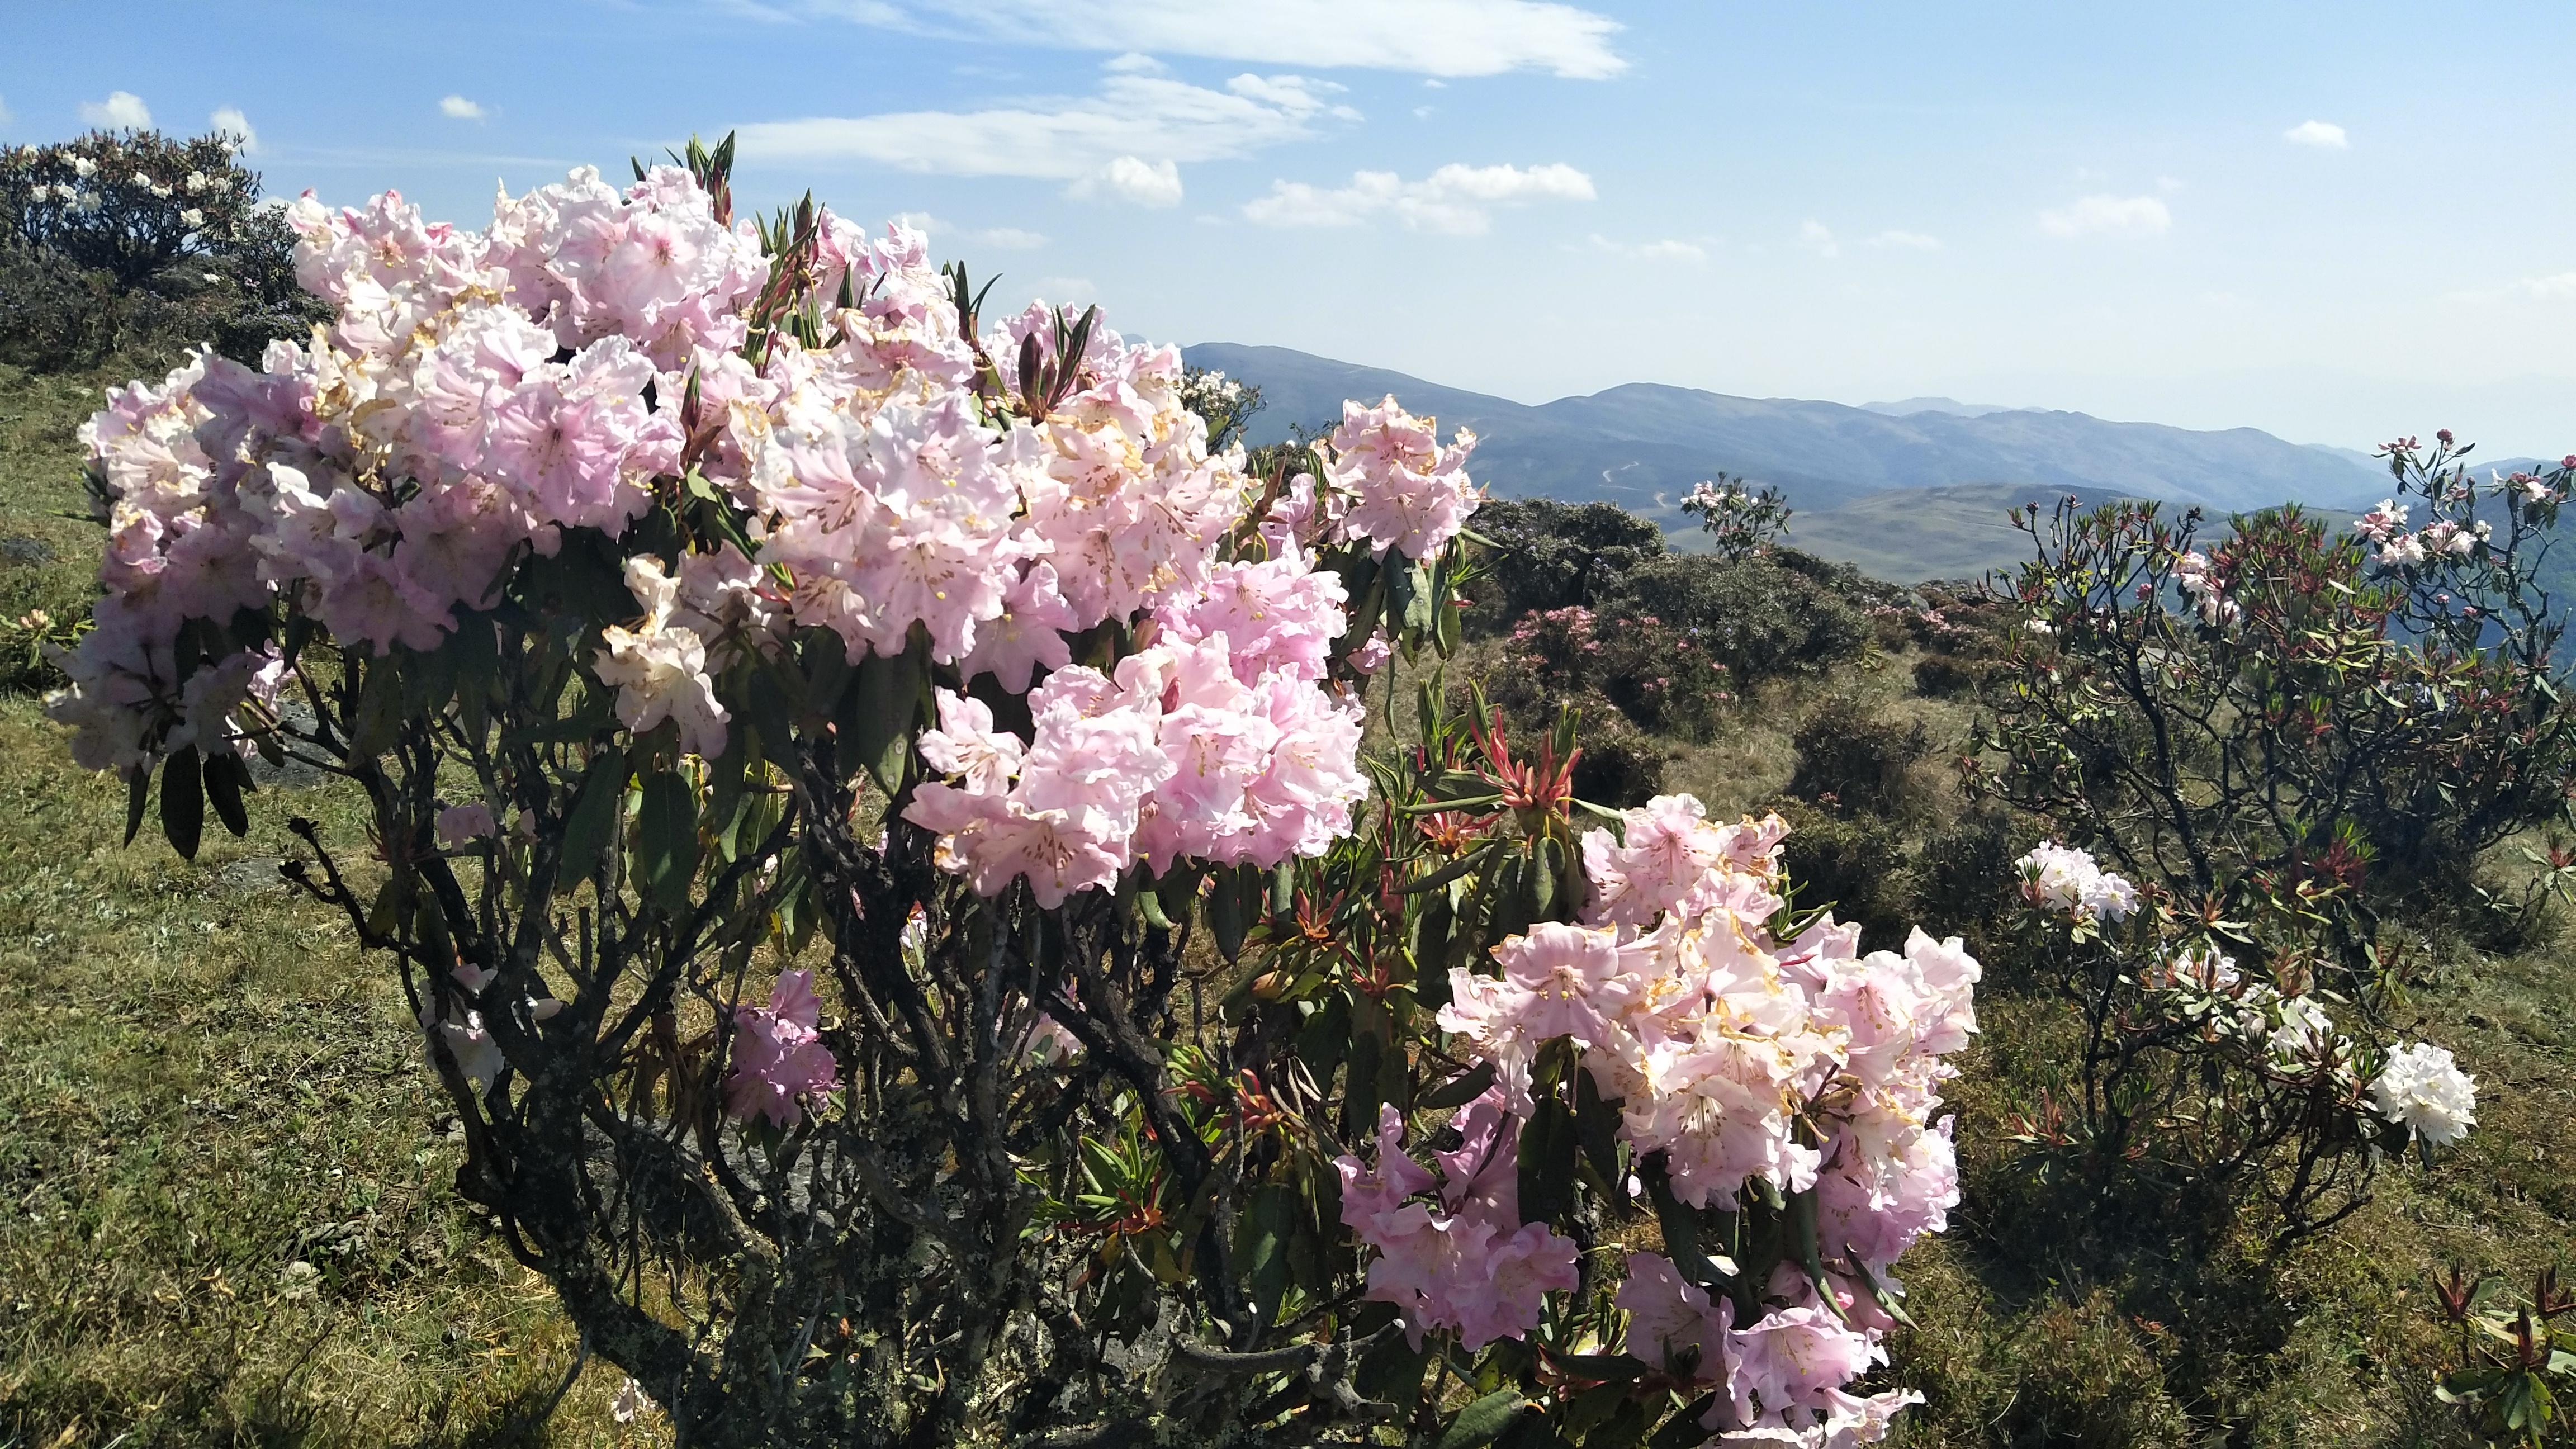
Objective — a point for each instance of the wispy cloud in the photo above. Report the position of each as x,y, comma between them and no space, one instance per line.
1668,250
1911,240
2557,288
458,108
2324,134
6,115
1816,237
1429,37
999,238
1455,199
121,109
2131,216
1160,120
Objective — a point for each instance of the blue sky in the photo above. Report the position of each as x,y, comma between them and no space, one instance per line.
2335,222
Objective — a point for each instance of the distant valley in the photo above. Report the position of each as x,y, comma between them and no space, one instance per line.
1907,490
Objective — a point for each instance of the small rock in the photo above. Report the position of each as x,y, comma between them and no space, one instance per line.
19,548
251,875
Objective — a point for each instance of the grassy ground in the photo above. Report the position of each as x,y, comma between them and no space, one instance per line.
225,1213
224,1205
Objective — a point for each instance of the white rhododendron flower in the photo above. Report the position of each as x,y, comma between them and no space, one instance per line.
2062,878
2421,1088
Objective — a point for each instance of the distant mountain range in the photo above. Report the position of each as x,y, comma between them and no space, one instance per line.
1643,446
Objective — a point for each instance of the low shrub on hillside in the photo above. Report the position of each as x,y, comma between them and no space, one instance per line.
1544,555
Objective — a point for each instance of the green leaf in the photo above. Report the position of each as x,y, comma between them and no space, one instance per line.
593,716
594,813
878,714
667,839
1596,1126
1461,1089
138,793
183,803
1483,1421
1326,1038
1547,1162
227,777
1608,1368
1454,869
1681,1231
1261,1245
1683,1429
1233,906
379,715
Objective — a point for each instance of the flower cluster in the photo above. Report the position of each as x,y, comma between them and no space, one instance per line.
1407,492
2062,878
779,1060
2385,527
481,393
1803,1064
2206,591
1452,1249
1176,755
2422,1089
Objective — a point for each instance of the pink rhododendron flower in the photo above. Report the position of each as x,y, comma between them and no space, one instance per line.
460,825
779,1062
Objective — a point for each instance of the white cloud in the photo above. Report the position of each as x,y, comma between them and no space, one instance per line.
1816,237
1668,250
458,108
1455,199
5,116
2109,216
1429,37
1061,139
999,238
2325,134
2170,186
1131,179
1134,63
230,121
1914,240
121,110
2562,285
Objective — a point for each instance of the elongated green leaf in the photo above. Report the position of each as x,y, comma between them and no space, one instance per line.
183,803
226,780
667,839
592,717
1461,1089
594,813
138,793
1483,1421
880,711
1547,1161
1454,869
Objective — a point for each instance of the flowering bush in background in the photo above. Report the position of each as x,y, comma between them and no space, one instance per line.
870,811
1740,523
132,241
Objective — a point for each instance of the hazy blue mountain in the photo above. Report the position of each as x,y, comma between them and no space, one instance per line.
1908,407
1643,445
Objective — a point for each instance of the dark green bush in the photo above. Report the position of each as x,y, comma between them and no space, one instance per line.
1762,618
1549,555
1855,761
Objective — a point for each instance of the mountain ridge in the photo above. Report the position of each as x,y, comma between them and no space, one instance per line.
1643,445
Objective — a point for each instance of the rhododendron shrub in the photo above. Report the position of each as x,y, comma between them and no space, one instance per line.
2216,1053
2293,701
871,811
